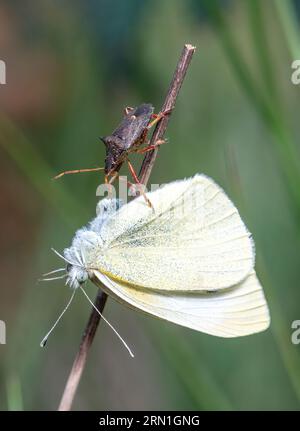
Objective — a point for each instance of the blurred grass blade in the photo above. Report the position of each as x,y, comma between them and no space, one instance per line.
14,394
260,42
271,115
287,154
282,335
195,376
38,172
279,325
288,19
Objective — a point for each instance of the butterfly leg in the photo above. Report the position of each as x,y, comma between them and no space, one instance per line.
77,171
141,186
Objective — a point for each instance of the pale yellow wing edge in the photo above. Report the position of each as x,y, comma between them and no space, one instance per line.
236,312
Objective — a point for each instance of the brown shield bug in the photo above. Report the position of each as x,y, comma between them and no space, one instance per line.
127,138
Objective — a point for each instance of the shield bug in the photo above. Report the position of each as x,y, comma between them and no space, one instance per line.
127,138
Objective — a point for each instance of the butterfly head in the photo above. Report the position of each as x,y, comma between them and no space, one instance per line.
79,257
87,245
76,276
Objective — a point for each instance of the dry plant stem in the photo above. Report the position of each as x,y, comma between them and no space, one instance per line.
81,356
148,162
170,100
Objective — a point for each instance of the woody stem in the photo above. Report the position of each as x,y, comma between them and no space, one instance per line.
147,165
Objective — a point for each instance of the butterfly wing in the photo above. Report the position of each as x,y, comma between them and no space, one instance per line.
234,312
195,240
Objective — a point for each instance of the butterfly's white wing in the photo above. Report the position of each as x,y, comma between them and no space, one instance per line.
195,240
234,312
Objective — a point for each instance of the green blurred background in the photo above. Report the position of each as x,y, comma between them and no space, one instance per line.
71,68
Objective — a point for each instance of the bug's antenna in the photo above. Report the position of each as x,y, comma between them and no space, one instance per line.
109,324
45,339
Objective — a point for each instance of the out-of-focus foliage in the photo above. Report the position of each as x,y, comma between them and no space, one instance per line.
71,68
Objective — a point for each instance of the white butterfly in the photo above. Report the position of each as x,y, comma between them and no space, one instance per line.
191,261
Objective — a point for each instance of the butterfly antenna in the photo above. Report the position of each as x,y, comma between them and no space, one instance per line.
52,278
54,271
63,257
79,257
82,258
108,323
45,339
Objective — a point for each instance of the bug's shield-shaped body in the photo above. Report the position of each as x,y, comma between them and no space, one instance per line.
191,262
126,137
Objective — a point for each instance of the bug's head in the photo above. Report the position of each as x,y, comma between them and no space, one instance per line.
115,153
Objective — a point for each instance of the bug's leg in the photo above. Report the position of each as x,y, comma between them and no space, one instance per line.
128,109
77,171
158,117
155,119
108,181
129,183
143,136
141,186
112,179
114,176
110,186
157,144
